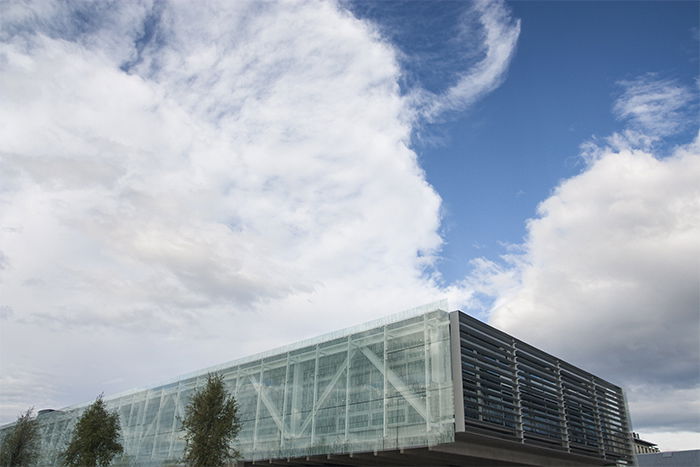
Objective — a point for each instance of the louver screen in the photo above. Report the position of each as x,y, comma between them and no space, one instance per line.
517,392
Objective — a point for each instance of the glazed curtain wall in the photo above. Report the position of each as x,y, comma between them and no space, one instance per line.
382,388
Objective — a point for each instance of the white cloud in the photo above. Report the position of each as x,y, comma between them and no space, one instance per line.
183,184
679,406
654,108
500,36
608,274
609,279
673,440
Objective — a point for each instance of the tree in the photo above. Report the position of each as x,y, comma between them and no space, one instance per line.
95,438
211,425
21,445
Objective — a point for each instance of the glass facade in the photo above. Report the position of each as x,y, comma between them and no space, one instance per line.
424,378
367,389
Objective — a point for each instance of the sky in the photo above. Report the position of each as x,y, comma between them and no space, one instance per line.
182,185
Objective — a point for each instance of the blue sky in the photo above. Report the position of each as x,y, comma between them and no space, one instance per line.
493,163
175,178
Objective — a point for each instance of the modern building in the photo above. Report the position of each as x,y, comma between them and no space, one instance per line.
424,387
642,446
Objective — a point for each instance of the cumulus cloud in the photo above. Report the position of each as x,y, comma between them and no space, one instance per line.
608,274
185,184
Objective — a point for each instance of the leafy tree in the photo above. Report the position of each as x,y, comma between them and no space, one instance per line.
95,438
21,445
211,425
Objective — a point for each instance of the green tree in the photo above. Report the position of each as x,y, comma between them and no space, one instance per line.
95,438
21,444
211,425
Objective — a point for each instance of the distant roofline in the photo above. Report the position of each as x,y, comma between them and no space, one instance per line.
644,442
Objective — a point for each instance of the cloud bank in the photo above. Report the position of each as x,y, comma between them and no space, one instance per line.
608,274
182,185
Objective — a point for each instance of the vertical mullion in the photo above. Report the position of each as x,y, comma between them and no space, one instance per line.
596,415
519,429
283,434
176,400
313,407
257,408
347,392
562,409
456,350
426,365
384,418
156,425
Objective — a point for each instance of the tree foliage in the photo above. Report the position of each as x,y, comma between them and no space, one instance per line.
21,445
95,438
211,425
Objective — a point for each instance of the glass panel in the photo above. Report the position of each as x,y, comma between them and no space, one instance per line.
378,387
